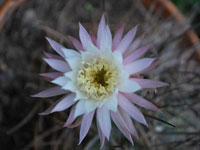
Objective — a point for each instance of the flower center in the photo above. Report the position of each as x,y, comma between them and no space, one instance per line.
98,78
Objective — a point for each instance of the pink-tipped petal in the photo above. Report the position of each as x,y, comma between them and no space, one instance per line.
60,105
76,43
135,55
103,117
118,120
126,41
51,75
117,38
94,39
84,36
50,92
76,123
155,63
58,65
71,117
141,101
133,111
49,55
129,123
133,46
101,135
101,27
138,65
85,125
64,103
148,84
56,46
106,41
48,111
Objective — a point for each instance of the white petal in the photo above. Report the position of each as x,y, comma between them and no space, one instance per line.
118,58
80,108
121,124
85,106
106,41
112,103
103,118
100,30
91,52
61,81
79,96
85,125
108,54
70,86
92,48
101,135
90,105
70,53
74,63
127,39
84,36
58,65
71,75
123,76
129,86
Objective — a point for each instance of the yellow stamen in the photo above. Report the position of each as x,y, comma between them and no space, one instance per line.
98,78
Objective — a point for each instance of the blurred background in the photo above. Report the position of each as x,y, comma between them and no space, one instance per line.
173,28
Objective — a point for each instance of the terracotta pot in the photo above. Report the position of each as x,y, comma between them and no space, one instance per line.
169,10
7,9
